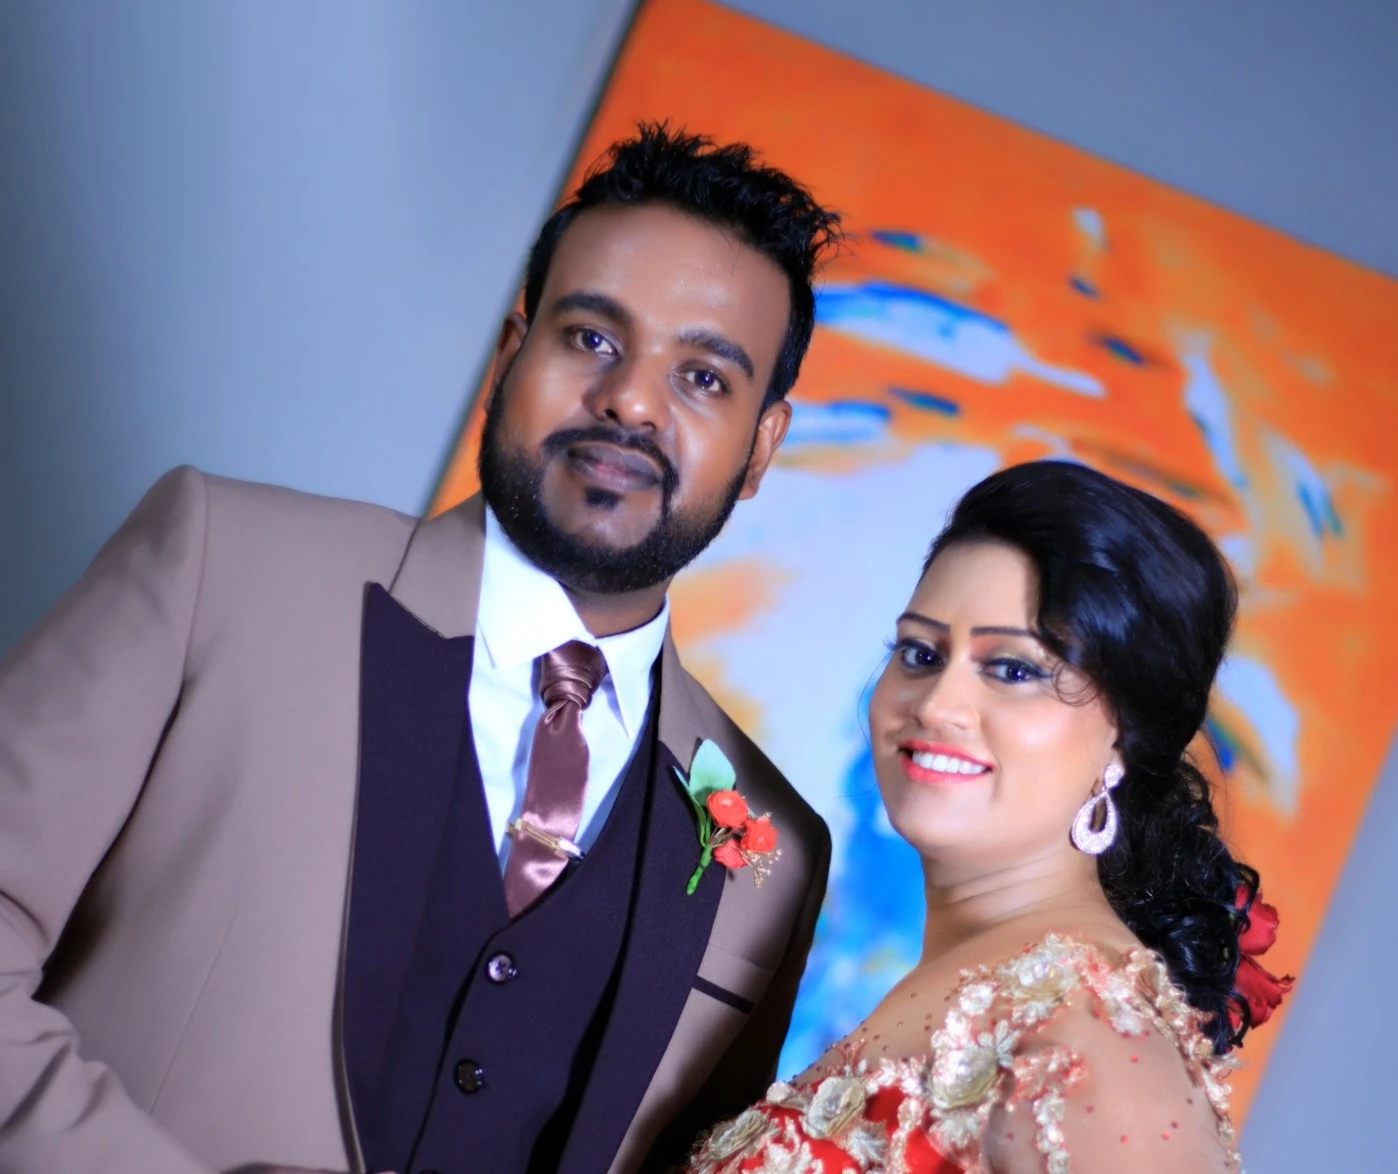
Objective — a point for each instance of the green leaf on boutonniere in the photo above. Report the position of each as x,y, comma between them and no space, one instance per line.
709,772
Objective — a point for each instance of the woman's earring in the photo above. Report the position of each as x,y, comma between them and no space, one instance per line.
1094,843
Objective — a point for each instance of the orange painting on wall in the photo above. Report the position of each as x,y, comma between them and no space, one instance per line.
1008,297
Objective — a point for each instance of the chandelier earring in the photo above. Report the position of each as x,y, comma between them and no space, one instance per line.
1087,838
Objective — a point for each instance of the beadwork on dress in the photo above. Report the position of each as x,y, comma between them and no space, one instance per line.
976,1062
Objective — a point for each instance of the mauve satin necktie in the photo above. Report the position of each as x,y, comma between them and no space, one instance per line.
553,796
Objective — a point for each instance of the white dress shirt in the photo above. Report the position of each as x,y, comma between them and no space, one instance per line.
523,614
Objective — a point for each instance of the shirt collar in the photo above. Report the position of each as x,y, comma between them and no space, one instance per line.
524,613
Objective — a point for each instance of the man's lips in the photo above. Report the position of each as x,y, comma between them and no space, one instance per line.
613,467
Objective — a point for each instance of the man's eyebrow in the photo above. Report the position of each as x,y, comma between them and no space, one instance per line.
596,303
720,347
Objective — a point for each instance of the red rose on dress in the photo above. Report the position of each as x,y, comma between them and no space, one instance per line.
759,835
727,854
1262,924
1261,990
728,809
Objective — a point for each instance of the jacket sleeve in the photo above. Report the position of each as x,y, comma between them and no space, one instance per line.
746,1070
84,700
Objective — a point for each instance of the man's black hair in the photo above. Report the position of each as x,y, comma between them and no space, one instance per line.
727,186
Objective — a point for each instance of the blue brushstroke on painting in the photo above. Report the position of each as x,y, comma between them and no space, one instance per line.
908,241
850,305
1121,349
1310,487
1313,512
841,422
1218,738
927,401
1087,289
1320,509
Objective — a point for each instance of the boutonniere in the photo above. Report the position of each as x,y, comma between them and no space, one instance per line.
728,831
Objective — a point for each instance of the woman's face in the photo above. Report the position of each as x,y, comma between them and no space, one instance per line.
984,746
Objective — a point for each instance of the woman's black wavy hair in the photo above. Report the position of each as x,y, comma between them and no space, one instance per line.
1137,598
726,185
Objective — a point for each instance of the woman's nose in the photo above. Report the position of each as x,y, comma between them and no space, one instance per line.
946,700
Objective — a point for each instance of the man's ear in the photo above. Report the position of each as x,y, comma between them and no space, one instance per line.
771,431
507,347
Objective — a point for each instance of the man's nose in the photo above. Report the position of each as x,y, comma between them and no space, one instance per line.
634,394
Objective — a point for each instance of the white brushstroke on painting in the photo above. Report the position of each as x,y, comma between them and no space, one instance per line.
1089,222
1241,552
837,423
1310,492
1058,448
1251,687
940,332
1207,402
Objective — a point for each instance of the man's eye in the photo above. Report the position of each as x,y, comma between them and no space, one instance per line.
592,340
707,381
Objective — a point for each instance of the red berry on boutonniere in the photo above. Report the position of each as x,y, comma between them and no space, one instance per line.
728,808
758,836
727,854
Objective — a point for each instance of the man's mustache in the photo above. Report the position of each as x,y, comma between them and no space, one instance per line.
560,442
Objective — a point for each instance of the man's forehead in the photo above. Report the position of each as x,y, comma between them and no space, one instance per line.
651,242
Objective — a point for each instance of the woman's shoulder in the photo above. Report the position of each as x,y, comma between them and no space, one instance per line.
1075,1054
1067,1054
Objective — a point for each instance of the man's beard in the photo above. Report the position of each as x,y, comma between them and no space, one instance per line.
513,483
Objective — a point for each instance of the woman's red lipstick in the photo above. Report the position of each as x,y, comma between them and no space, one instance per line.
937,764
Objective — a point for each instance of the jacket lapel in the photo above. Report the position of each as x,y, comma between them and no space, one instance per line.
412,720
413,690
439,580
740,933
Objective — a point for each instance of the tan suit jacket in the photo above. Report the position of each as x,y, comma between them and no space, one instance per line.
178,770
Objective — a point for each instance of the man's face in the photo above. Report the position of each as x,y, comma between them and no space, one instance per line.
626,419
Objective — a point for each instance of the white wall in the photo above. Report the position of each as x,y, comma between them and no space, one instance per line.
274,239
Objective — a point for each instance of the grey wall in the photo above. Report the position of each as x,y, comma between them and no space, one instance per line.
248,234
270,238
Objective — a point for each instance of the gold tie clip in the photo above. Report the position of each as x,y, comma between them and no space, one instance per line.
559,845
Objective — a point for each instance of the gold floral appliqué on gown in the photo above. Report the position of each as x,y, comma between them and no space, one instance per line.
930,1114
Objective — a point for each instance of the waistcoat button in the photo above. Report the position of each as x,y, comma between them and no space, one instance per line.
469,1076
500,968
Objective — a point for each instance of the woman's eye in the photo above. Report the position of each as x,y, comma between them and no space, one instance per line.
1013,671
915,656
